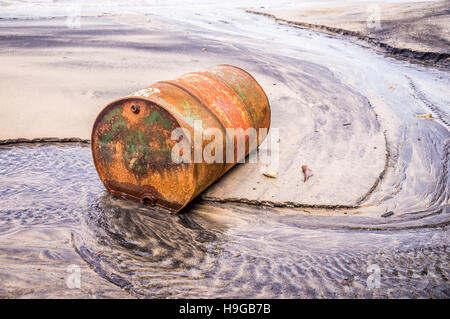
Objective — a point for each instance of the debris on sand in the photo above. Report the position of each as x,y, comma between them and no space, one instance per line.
392,87
389,213
270,172
307,172
425,116
347,282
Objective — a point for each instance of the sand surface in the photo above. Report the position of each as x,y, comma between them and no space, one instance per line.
416,26
343,110
57,79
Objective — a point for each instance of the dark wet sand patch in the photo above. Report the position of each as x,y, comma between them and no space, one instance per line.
416,32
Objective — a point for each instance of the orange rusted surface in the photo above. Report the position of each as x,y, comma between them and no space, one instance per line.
132,136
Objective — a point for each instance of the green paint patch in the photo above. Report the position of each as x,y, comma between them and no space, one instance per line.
105,139
137,152
118,124
241,94
137,155
156,118
112,113
189,115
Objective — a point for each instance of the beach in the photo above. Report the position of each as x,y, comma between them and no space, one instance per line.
416,31
346,109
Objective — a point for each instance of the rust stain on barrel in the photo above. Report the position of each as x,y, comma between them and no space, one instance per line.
131,137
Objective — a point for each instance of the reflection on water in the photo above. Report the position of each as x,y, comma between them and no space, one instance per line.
216,250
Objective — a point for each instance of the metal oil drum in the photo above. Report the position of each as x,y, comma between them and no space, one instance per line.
132,136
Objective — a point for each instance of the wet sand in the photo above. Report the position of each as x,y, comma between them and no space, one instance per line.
417,31
64,216
343,110
64,77
105,60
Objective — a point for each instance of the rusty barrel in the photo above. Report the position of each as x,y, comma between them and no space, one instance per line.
133,143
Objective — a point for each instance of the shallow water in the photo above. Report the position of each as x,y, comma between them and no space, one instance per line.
215,250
